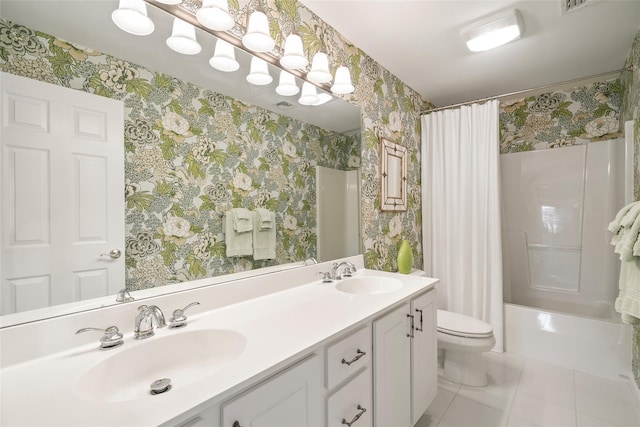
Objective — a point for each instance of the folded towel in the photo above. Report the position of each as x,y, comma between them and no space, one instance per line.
242,220
264,220
238,244
628,240
629,218
615,224
264,239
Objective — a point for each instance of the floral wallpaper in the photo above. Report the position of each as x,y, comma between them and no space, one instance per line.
161,188
631,111
190,155
561,118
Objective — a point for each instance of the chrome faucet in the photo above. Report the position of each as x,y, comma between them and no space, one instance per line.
342,270
147,318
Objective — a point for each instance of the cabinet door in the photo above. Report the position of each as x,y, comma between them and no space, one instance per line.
293,398
391,365
424,355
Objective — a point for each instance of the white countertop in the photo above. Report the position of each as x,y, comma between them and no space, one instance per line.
279,328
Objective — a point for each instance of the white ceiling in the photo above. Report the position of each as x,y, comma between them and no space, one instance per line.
419,42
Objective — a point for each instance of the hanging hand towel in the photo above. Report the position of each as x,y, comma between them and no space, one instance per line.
628,301
237,243
625,227
616,223
264,219
628,240
242,219
264,239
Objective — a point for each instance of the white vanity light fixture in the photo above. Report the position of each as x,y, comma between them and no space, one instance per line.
342,82
214,14
293,56
493,31
224,57
319,72
309,94
259,72
183,38
131,16
257,37
287,84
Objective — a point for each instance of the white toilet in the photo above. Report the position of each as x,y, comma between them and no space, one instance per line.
464,339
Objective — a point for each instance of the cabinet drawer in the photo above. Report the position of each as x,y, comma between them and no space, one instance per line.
352,403
347,356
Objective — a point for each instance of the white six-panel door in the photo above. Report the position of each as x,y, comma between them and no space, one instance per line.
62,195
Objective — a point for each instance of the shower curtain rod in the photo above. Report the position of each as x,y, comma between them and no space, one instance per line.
519,92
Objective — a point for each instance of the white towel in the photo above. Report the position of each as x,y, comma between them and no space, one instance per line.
628,301
625,228
615,224
628,240
237,243
265,218
242,219
264,239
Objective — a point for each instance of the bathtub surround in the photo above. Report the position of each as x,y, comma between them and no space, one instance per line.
461,205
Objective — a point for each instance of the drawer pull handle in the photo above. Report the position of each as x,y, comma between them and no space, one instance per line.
420,328
356,418
236,424
411,326
359,354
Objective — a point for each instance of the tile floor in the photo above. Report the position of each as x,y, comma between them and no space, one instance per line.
524,393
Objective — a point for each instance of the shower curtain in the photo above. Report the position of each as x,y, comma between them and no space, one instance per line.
461,211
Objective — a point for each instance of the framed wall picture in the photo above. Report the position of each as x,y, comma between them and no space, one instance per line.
393,176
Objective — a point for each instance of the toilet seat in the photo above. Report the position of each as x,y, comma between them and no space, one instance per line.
460,325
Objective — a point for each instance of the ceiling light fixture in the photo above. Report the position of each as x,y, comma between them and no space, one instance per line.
257,37
213,17
494,31
183,38
214,14
131,16
224,57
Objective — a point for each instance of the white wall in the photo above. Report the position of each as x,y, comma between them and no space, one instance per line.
338,201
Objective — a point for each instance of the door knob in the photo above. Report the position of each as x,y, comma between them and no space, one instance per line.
113,254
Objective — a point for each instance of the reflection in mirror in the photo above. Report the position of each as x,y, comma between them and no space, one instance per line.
197,143
393,176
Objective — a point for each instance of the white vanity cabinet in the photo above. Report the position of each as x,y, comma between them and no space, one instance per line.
290,399
348,380
405,362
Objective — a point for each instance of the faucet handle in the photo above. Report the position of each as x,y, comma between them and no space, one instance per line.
124,296
179,320
326,276
112,337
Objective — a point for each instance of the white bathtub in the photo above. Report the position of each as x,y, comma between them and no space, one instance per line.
596,346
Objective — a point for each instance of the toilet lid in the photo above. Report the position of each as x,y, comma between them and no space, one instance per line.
462,325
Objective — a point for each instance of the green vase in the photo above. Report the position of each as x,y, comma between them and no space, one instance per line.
405,258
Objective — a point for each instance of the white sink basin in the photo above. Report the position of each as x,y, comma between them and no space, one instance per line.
184,358
369,285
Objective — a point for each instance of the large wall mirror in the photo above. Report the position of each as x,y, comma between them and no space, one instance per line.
197,142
